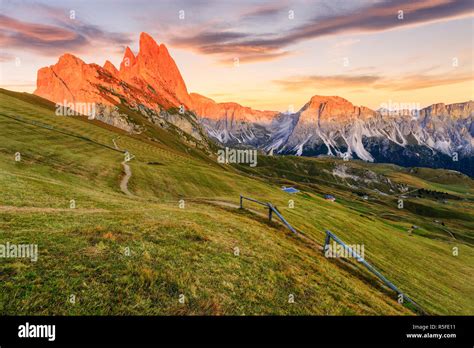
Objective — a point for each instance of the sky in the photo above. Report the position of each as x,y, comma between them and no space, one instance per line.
272,55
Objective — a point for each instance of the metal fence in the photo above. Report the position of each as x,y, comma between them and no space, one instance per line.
329,235
372,269
271,209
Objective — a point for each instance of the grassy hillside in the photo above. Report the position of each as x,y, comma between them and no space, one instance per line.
222,259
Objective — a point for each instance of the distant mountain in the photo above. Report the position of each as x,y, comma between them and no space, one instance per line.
232,122
439,136
151,83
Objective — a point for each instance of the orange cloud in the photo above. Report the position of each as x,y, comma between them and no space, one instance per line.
404,83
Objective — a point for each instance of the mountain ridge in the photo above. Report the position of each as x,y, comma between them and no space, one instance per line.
151,82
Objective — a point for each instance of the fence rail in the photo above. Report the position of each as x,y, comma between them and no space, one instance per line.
271,209
372,269
329,235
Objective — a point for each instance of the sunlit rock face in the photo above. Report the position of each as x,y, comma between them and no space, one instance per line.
154,68
151,78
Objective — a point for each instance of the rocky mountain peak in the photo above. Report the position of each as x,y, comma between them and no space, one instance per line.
111,68
68,60
148,46
152,74
231,112
128,60
457,110
157,68
332,109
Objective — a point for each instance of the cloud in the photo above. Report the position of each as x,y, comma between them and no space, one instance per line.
224,40
62,34
209,39
253,58
420,81
375,17
43,38
226,45
330,81
266,11
361,82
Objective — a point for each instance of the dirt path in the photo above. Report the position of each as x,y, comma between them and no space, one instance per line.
127,176
125,179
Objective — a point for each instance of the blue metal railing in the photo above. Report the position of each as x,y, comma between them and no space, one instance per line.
371,268
272,209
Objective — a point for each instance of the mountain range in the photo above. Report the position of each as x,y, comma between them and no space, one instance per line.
438,136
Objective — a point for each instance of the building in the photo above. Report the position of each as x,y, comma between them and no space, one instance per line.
330,198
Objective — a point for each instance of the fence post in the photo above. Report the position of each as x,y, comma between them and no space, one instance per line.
270,212
241,202
327,240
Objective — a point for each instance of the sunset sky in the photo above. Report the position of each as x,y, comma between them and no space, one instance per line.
287,51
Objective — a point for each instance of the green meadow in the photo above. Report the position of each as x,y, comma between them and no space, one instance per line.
180,245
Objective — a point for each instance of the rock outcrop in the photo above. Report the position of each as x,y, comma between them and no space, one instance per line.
230,112
111,68
154,69
151,78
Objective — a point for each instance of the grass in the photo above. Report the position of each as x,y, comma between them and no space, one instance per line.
192,250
